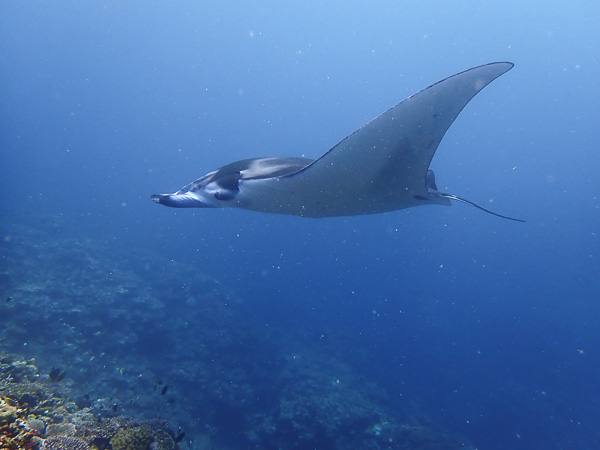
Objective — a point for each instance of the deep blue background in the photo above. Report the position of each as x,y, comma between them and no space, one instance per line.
486,325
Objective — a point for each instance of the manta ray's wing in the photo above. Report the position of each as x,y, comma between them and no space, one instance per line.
383,165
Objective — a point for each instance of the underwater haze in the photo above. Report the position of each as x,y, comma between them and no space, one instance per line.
433,327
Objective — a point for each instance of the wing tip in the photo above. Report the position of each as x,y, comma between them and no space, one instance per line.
504,65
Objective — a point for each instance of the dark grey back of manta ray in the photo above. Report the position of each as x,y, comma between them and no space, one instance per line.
383,166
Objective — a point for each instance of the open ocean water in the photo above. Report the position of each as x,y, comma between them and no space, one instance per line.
424,328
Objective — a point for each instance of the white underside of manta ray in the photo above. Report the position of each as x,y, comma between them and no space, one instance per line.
383,166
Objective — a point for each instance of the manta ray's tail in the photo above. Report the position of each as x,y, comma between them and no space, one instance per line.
454,197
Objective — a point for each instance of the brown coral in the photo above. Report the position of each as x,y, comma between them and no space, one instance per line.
164,441
135,438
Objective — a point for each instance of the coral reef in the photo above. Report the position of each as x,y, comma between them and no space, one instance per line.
36,414
322,403
142,437
100,326
134,438
14,433
65,443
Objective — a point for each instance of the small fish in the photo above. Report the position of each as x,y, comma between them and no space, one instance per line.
164,390
115,407
57,375
180,436
8,299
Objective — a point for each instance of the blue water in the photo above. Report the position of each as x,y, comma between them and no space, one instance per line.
485,326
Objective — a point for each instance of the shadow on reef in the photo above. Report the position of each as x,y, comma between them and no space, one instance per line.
143,337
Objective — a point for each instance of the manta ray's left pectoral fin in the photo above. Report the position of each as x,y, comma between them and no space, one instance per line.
183,200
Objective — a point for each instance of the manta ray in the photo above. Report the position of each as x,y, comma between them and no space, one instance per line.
383,166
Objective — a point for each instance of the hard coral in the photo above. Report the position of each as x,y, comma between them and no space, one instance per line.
163,441
37,425
142,437
135,438
65,443
33,409
99,429
14,432
8,413
60,429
